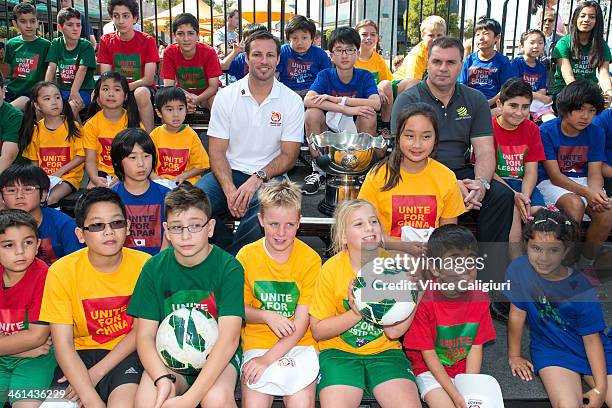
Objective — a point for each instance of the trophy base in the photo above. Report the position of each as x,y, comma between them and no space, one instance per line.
338,189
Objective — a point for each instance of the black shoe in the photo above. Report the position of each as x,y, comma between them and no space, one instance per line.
313,183
500,311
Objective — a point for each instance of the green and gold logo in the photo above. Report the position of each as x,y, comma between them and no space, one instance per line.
462,111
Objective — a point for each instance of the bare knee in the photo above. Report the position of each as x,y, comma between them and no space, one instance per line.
142,96
314,115
220,398
573,205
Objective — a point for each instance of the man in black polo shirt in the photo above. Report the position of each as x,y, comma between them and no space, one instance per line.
464,120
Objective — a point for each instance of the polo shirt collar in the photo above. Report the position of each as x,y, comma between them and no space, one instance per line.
456,93
245,91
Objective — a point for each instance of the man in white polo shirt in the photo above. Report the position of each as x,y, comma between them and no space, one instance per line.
255,132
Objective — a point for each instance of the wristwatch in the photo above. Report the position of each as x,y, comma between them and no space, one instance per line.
485,183
169,376
261,174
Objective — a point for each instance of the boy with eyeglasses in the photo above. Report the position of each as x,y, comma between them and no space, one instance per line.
191,273
85,301
339,95
26,187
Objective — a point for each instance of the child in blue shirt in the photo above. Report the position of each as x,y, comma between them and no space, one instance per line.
300,61
571,176
604,121
25,187
234,64
486,69
340,94
134,157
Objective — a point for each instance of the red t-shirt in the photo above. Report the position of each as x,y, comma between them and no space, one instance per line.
450,327
191,74
128,57
514,148
20,304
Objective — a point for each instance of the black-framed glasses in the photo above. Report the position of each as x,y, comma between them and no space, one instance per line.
100,226
193,228
24,189
349,51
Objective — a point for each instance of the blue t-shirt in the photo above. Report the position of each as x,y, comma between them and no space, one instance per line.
559,313
573,154
238,67
362,85
146,215
534,76
56,234
604,121
297,71
486,76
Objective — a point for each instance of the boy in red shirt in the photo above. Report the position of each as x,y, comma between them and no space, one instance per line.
191,65
131,53
26,363
451,324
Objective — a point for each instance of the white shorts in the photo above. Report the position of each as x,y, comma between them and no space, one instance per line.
426,382
289,374
552,193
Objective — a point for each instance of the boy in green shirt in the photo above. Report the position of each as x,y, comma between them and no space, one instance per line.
26,55
10,122
191,273
72,60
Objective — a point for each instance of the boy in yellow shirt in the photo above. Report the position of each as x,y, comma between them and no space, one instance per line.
181,155
279,276
85,302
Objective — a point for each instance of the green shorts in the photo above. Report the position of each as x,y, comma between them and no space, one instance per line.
394,85
236,362
26,378
362,371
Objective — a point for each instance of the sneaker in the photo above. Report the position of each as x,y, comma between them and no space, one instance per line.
313,183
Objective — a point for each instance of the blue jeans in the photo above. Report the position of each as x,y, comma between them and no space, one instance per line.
249,229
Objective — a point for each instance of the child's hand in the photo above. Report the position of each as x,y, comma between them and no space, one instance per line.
76,98
597,198
521,367
165,388
523,203
383,98
459,401
363,111
351,299
595,397
253,369
179,179
319,99
279,324
41,350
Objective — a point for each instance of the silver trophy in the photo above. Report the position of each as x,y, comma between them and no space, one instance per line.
344,157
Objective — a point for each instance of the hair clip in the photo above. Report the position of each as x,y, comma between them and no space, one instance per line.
530,218
552,207
546,220
568,222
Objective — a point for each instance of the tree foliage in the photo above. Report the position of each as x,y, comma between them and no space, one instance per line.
412,22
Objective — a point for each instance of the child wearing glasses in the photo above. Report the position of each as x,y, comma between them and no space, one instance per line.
191,273
134,156
341,98
25,187
85,301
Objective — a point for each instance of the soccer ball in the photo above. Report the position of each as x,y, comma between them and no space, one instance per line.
385,311
185,338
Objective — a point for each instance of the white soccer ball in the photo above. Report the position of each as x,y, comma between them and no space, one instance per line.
185,338
384,311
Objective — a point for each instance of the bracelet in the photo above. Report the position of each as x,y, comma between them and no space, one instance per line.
171,377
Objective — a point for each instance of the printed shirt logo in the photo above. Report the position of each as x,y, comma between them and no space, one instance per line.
46,252
416,211
191,78
361,333
26,65
54,158
573,159
481,76
462,113
352,94
583,66
279,297
532,79
105,156
299,71
12,321
172,162
511,160
106,318
453,343
129,65
67,69
201,299
145,226
276,119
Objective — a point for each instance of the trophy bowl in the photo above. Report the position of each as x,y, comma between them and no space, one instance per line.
344,157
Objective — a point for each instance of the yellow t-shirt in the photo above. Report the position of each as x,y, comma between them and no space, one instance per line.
94,302
419,200
377,66
330,299
98,135
51,150
414,65
278,287
179,152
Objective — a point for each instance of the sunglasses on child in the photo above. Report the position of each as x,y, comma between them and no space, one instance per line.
101,226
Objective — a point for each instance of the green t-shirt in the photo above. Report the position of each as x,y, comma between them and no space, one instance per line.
10,122
581,68
27,60
215,285
68,62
